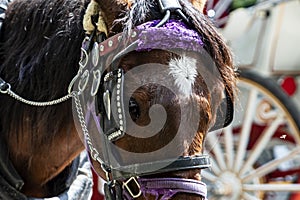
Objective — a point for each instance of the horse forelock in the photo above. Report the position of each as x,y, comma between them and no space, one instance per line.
145,10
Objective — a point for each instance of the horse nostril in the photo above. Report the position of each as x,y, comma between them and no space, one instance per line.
134,109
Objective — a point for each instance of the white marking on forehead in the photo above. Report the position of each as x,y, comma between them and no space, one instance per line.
184,71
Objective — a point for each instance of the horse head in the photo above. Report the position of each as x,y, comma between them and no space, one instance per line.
155,77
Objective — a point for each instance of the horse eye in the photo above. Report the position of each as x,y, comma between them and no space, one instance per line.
134,109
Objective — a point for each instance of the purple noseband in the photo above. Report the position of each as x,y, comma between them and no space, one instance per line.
165,188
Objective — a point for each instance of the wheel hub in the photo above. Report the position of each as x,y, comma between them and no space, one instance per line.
228,184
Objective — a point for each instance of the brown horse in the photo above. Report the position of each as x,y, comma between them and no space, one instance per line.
40,49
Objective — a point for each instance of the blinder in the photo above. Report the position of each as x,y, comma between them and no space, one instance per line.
224,115
113,127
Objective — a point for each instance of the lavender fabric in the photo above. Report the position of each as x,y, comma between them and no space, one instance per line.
168,187
173,34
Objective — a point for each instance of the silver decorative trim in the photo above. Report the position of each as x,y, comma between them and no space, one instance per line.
120,38
134,34
83,81
108,76
93,151
96,82
107,105
113,136
119,116
95,54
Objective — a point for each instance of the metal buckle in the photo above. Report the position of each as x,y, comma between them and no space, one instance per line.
4,87
132,180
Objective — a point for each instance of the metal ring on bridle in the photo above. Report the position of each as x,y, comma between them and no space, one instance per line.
4,87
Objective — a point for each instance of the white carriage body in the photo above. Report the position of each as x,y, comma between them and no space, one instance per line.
267,39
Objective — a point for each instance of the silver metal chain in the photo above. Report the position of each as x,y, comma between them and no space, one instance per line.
80,113
93,151
5,88
35,103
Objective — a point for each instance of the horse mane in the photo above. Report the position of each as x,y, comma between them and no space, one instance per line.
39,54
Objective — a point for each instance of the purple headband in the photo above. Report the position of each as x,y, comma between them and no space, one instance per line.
173,34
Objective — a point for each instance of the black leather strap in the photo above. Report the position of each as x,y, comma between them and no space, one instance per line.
7,170
184,163
3,8
113,190
110,102
171,5
181,163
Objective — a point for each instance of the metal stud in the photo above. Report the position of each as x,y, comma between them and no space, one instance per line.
105,78
106,100
101,47
95,54
110,43
115,135
96,82
120,38
133,34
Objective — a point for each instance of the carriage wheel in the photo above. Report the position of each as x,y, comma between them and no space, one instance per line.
258,155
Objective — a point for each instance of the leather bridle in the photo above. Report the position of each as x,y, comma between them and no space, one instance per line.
125,182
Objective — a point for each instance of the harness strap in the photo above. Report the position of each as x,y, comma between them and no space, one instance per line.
165,188
162,166
134,186
3,8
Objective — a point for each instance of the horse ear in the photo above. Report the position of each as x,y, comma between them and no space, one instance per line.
108,10
199,4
